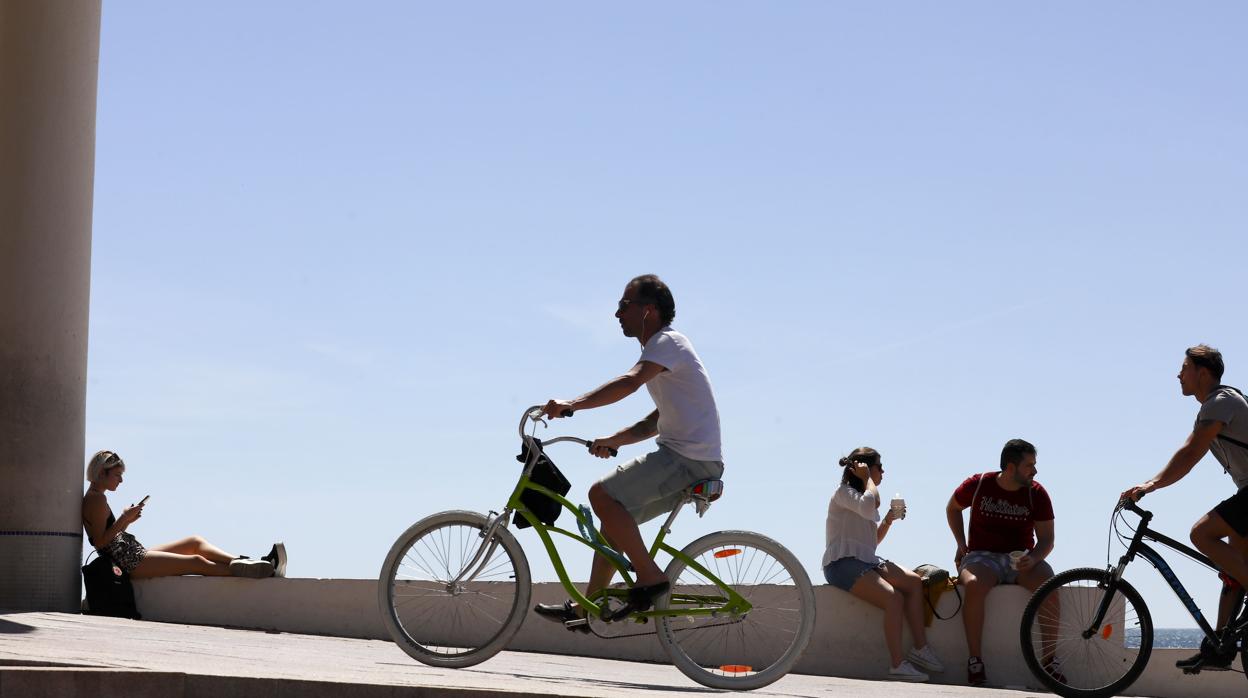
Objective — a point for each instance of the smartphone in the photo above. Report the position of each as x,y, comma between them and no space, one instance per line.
143,501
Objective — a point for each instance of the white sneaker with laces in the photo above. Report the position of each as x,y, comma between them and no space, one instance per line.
906,672
925,659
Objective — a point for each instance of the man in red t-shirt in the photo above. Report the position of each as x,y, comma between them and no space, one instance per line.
1007,508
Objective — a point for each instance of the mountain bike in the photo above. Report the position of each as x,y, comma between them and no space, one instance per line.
455,587
1082,623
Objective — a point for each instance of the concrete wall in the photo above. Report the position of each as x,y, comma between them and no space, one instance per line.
848,639
49,53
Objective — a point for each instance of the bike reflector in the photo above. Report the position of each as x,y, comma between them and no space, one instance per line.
736,668
1107,631
727,552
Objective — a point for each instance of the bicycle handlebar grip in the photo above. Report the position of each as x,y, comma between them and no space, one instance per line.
612,451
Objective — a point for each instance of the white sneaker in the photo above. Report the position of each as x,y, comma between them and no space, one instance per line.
925,659
255,569
906,672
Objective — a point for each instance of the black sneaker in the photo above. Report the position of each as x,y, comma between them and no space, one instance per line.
277,558
561,613
1208,658
639,599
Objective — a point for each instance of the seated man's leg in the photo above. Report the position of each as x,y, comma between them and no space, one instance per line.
1050,613
977,580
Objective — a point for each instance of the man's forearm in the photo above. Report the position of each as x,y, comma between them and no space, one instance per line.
954,516
1181,463
640,431
1042,549
612,391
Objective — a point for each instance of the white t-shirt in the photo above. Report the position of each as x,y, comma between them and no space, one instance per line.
850,529
688,418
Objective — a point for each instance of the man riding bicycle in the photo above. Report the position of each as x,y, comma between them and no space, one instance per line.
1221,534
686,422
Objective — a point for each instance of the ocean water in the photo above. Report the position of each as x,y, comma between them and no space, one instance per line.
1168,638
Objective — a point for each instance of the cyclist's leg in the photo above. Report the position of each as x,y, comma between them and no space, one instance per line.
977,580
1211,534
619,526
602,571
1050,613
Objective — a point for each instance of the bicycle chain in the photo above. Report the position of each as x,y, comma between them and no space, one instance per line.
655,630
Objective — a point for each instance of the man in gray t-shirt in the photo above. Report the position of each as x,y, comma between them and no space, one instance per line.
1221,428
686,422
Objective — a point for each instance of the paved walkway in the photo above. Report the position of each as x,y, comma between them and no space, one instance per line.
66,655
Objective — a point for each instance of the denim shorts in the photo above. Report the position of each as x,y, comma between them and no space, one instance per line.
999,563
649,486
843,573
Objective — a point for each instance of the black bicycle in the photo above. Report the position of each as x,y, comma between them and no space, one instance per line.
1087,631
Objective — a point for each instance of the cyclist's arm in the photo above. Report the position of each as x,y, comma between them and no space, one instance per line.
1045,538
1186,458
640,431
613,390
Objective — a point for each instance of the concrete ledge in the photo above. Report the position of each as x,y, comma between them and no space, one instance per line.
848,640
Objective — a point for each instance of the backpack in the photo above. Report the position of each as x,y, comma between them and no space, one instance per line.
109,591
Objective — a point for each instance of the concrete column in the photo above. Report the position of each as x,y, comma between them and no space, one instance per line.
49,64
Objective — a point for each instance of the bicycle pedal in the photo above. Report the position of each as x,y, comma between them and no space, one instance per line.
581,624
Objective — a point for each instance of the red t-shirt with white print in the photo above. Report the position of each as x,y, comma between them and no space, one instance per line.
1002,521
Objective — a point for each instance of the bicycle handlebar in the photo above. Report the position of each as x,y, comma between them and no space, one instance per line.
534,413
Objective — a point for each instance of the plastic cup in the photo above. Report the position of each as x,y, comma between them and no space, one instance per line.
898,506
1015,557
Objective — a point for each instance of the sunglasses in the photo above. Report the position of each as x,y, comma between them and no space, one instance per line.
623,304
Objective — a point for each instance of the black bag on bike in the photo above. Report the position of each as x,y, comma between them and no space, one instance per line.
109,591
547,475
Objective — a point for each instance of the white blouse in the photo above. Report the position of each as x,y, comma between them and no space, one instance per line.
850,531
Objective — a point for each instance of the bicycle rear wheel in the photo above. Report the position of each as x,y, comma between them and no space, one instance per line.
1091,661
748,651
453,624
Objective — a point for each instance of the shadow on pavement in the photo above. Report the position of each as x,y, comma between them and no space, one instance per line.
8,627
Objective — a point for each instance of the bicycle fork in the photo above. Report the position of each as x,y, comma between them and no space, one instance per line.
485,551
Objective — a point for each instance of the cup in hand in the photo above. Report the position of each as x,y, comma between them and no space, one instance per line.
1015,557
898,507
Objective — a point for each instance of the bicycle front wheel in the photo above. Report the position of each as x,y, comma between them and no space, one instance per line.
448,597
1072,654
736,652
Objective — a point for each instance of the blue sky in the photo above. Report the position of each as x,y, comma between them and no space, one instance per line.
337,250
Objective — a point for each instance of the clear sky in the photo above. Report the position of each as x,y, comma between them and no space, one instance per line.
338,249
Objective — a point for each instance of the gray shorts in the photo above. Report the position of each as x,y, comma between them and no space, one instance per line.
999,563
649,486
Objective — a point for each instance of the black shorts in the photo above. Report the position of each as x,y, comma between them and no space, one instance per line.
1234,511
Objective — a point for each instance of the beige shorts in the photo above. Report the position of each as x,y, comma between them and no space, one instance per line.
649,486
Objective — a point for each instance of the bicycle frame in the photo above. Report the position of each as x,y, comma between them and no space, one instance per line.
1140,548
681,604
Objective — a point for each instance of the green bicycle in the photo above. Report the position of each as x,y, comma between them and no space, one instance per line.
455,587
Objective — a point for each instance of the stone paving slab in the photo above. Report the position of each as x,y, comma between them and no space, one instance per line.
67,654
